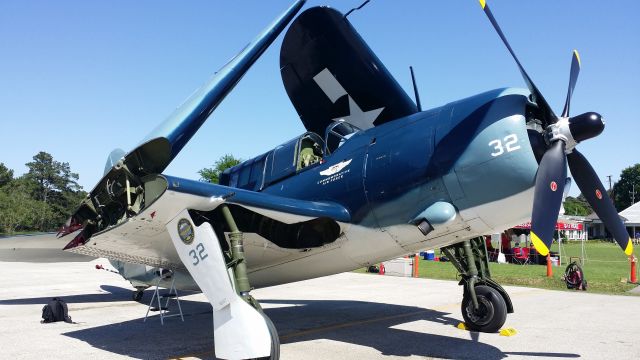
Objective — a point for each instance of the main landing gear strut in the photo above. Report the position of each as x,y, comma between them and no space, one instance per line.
485,303
239,266
241,329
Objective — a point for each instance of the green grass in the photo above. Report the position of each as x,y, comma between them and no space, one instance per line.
606,264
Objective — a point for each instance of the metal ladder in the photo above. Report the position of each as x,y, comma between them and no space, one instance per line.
172,294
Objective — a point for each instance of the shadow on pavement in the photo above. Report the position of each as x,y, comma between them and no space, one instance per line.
356,322
150,339
371,325
110,294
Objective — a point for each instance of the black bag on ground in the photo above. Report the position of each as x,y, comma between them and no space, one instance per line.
55,310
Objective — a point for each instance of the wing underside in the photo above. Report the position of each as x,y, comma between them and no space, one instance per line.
280,223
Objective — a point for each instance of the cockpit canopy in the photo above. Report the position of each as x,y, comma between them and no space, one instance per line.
290,158
337,134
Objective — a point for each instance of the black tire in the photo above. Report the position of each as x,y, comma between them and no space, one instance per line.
491,313
275,340
137,295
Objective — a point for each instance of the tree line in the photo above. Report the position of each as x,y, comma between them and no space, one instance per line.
43,198
624,193
40,200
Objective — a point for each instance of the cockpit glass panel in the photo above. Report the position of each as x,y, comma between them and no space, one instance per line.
244,175
284,158
337,134
233,182
257,172
311,150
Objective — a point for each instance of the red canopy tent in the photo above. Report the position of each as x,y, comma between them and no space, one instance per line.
559,226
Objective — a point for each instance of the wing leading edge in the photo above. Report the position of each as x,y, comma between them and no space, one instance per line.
121,192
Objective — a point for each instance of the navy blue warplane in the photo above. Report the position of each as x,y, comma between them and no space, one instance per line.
373,178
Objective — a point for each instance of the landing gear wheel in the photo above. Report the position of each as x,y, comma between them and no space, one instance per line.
491,313
137,295
275,340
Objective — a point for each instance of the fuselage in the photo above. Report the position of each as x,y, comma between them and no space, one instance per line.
472,155
469,153
415,181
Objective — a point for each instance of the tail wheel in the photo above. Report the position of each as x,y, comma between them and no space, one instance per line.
491,313
137,295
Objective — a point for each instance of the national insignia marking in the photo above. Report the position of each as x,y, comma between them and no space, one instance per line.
553,186
335,168
185,231
598,194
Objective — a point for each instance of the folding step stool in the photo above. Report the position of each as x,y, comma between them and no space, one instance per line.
172,294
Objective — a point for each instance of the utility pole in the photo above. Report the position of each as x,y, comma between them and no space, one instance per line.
633,194
611,195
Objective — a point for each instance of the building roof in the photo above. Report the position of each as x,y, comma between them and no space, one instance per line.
632,213
594,217
573,219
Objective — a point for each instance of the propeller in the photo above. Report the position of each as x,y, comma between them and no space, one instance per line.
597,196
563,134
547,114
573,78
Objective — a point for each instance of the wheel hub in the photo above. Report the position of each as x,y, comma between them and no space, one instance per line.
483,314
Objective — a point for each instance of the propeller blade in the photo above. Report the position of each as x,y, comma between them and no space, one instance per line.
548,114
547,198
593,190
573,78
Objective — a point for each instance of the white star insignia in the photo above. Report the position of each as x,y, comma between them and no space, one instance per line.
362,119
334,90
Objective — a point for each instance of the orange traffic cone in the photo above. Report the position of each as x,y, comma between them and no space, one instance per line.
549,269
634,277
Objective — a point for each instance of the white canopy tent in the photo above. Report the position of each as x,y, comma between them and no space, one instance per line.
632,214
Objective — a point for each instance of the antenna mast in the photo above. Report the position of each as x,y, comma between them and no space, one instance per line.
415,89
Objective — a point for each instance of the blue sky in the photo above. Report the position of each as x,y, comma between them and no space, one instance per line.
80,78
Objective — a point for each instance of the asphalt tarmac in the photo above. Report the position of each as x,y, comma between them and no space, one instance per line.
40,248
346,316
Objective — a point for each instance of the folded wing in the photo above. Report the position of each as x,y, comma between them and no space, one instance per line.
330,73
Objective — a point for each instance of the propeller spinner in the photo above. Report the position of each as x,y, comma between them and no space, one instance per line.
563,134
